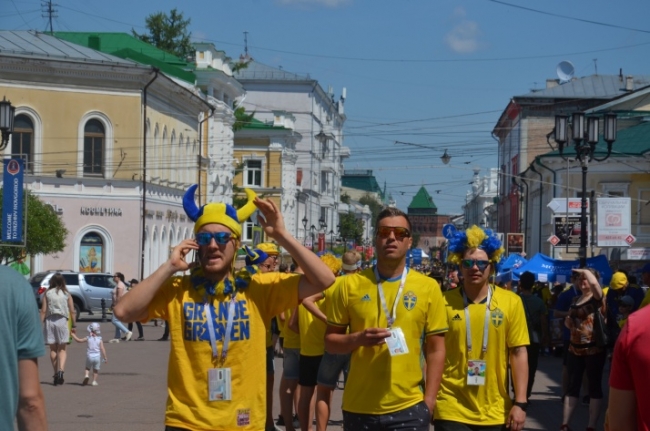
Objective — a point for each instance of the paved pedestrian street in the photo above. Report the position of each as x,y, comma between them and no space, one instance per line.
132,388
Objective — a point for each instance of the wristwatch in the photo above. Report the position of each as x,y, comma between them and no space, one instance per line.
522,406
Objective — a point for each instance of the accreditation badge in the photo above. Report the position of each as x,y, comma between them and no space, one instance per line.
476,373
219,384
396,342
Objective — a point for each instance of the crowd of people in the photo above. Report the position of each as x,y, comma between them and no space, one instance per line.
414,348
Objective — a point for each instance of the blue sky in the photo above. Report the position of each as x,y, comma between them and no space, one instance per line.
433,73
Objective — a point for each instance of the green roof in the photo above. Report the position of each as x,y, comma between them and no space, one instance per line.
257,125
366,182
422,200
633,141
125,46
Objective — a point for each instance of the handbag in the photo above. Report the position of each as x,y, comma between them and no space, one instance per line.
601,332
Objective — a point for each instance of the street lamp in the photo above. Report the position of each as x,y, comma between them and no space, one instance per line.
312,228
445,158
7,113
332,240
304,225
585,141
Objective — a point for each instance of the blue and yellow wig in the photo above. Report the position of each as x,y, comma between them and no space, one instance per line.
474,237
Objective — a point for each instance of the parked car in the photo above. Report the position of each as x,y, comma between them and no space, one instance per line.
87,289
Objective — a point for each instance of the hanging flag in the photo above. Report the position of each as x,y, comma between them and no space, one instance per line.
12,201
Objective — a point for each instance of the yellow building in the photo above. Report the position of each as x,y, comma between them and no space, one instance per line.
80,124
265,158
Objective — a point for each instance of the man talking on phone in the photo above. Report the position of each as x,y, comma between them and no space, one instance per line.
217,319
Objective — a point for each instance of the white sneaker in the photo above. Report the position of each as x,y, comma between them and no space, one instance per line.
95,383
128,336
114,340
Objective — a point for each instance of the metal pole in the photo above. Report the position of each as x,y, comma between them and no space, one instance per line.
583,216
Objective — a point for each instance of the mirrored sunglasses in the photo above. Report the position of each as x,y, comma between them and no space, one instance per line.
400,232
204,238
480,264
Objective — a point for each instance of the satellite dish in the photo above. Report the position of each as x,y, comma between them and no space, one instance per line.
565,71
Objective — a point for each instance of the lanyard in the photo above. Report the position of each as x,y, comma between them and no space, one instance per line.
468,328
226,336
390,318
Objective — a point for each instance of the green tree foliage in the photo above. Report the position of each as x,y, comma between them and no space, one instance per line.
46,233
345,198
242,118
416,240
375,207
351,228
168,32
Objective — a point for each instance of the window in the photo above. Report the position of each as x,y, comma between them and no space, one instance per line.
325,149
22,141
91,253
247,232
324,182
253,173
94,148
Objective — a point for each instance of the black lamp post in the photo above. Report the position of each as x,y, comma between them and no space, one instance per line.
585,147
312,228
304,225
7,113
332,240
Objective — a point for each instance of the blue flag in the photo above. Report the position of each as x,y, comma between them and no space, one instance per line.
12,201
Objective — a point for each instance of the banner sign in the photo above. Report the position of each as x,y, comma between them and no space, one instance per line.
567,229
515,243
12,201
614,222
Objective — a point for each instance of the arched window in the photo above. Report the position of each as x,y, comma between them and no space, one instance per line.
22,141
91,253
94,138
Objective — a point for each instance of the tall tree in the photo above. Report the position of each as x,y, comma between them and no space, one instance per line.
351,228
375,207
168,32
46,233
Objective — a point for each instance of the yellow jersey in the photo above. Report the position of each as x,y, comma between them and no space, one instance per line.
488,404
378,383
312,331
190,357
291,338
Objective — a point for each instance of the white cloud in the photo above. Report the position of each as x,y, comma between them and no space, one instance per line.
326,3
464,37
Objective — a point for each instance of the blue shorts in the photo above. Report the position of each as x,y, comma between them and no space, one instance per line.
330,369
291,364
416,418
270,356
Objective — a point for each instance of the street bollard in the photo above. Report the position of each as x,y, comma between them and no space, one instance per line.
103,310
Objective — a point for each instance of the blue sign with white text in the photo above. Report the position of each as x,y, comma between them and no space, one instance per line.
12,201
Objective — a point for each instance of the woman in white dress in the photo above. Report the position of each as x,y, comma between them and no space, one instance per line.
56,310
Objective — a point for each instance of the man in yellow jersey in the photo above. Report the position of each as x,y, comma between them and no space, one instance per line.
263,259
487,329
332,365
388,309
216,377
312,344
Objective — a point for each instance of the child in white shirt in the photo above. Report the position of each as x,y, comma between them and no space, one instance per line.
94,353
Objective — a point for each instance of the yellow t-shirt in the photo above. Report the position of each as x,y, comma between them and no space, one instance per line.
378,383
488,404
291,338
190,357
312,331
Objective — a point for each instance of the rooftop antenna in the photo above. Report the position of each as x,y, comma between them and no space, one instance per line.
246,44
596,65
565,71
49,12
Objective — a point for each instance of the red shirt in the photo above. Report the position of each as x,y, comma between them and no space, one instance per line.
631,362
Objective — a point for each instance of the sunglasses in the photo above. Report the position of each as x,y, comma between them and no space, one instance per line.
480,264
400,232
205,238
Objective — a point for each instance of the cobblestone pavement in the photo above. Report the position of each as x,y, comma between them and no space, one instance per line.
132,389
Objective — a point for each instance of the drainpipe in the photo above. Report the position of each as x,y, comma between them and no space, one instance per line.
212,111
541,197
539,162
523,181
144,170
498,182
